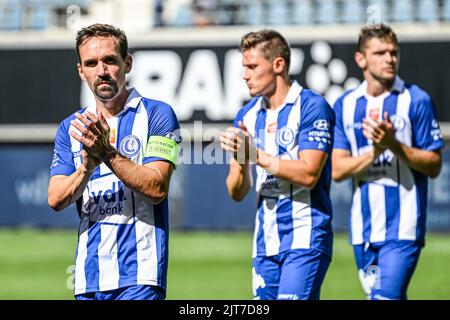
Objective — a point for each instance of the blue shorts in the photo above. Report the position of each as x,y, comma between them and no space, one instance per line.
386,268
138,292
292,275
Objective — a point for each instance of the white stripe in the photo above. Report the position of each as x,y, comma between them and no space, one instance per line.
348,116
270,145
301,220
108,263
356,218
408,213
293,123
80,276
377,205
140,130
255,235
270,227
403,106
147,259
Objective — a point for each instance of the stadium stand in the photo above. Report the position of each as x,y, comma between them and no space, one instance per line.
50,14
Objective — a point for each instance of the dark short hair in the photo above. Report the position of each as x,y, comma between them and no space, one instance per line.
380,31
272,43
102,30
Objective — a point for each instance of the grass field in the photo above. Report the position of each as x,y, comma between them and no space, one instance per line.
35,264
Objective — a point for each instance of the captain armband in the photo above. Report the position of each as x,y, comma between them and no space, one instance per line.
163,147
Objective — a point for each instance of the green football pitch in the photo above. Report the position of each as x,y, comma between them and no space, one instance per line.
37,264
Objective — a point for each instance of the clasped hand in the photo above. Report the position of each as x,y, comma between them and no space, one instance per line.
94,137
382,133
240,142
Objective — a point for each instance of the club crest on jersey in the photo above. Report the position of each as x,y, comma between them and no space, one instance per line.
285,136
272,127
398,121
130,146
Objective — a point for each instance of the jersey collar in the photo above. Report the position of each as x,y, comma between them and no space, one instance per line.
398,86
133,101
291,97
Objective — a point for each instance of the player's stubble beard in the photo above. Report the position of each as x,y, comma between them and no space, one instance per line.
106,92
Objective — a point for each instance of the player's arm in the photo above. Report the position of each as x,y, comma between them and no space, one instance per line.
64,190
305,172
67,183
239,179
151,180
427,162
346,166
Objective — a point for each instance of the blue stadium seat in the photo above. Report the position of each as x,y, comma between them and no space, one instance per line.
427,10
40,18
183,17
326,11
352,11
446,10
403,11
254,12
277,12
65,3
302,12
10,15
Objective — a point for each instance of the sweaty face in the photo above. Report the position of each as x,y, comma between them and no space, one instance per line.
102,67
258,73
382,59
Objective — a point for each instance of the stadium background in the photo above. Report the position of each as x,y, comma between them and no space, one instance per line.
185,53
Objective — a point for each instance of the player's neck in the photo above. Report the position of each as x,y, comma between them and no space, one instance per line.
376,88
110,108
278,97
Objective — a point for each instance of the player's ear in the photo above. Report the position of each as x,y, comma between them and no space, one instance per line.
80,72
129,63
279,65
360,60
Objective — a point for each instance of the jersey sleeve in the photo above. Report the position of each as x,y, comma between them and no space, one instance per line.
239,117
340,138
316,125
62,163
425,127
163,136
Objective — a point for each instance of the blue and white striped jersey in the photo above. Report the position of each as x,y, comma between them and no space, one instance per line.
390,199
123,237
290,216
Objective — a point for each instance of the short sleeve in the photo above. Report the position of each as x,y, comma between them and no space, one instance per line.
316,124
239,117
425,127
163,135
62,163
340,138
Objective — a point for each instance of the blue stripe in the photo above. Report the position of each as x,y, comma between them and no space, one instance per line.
91,266
127,254
260,244
421,182
365,210
392,205
284,223
260,126
360,114
162,236
282,120
390,104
